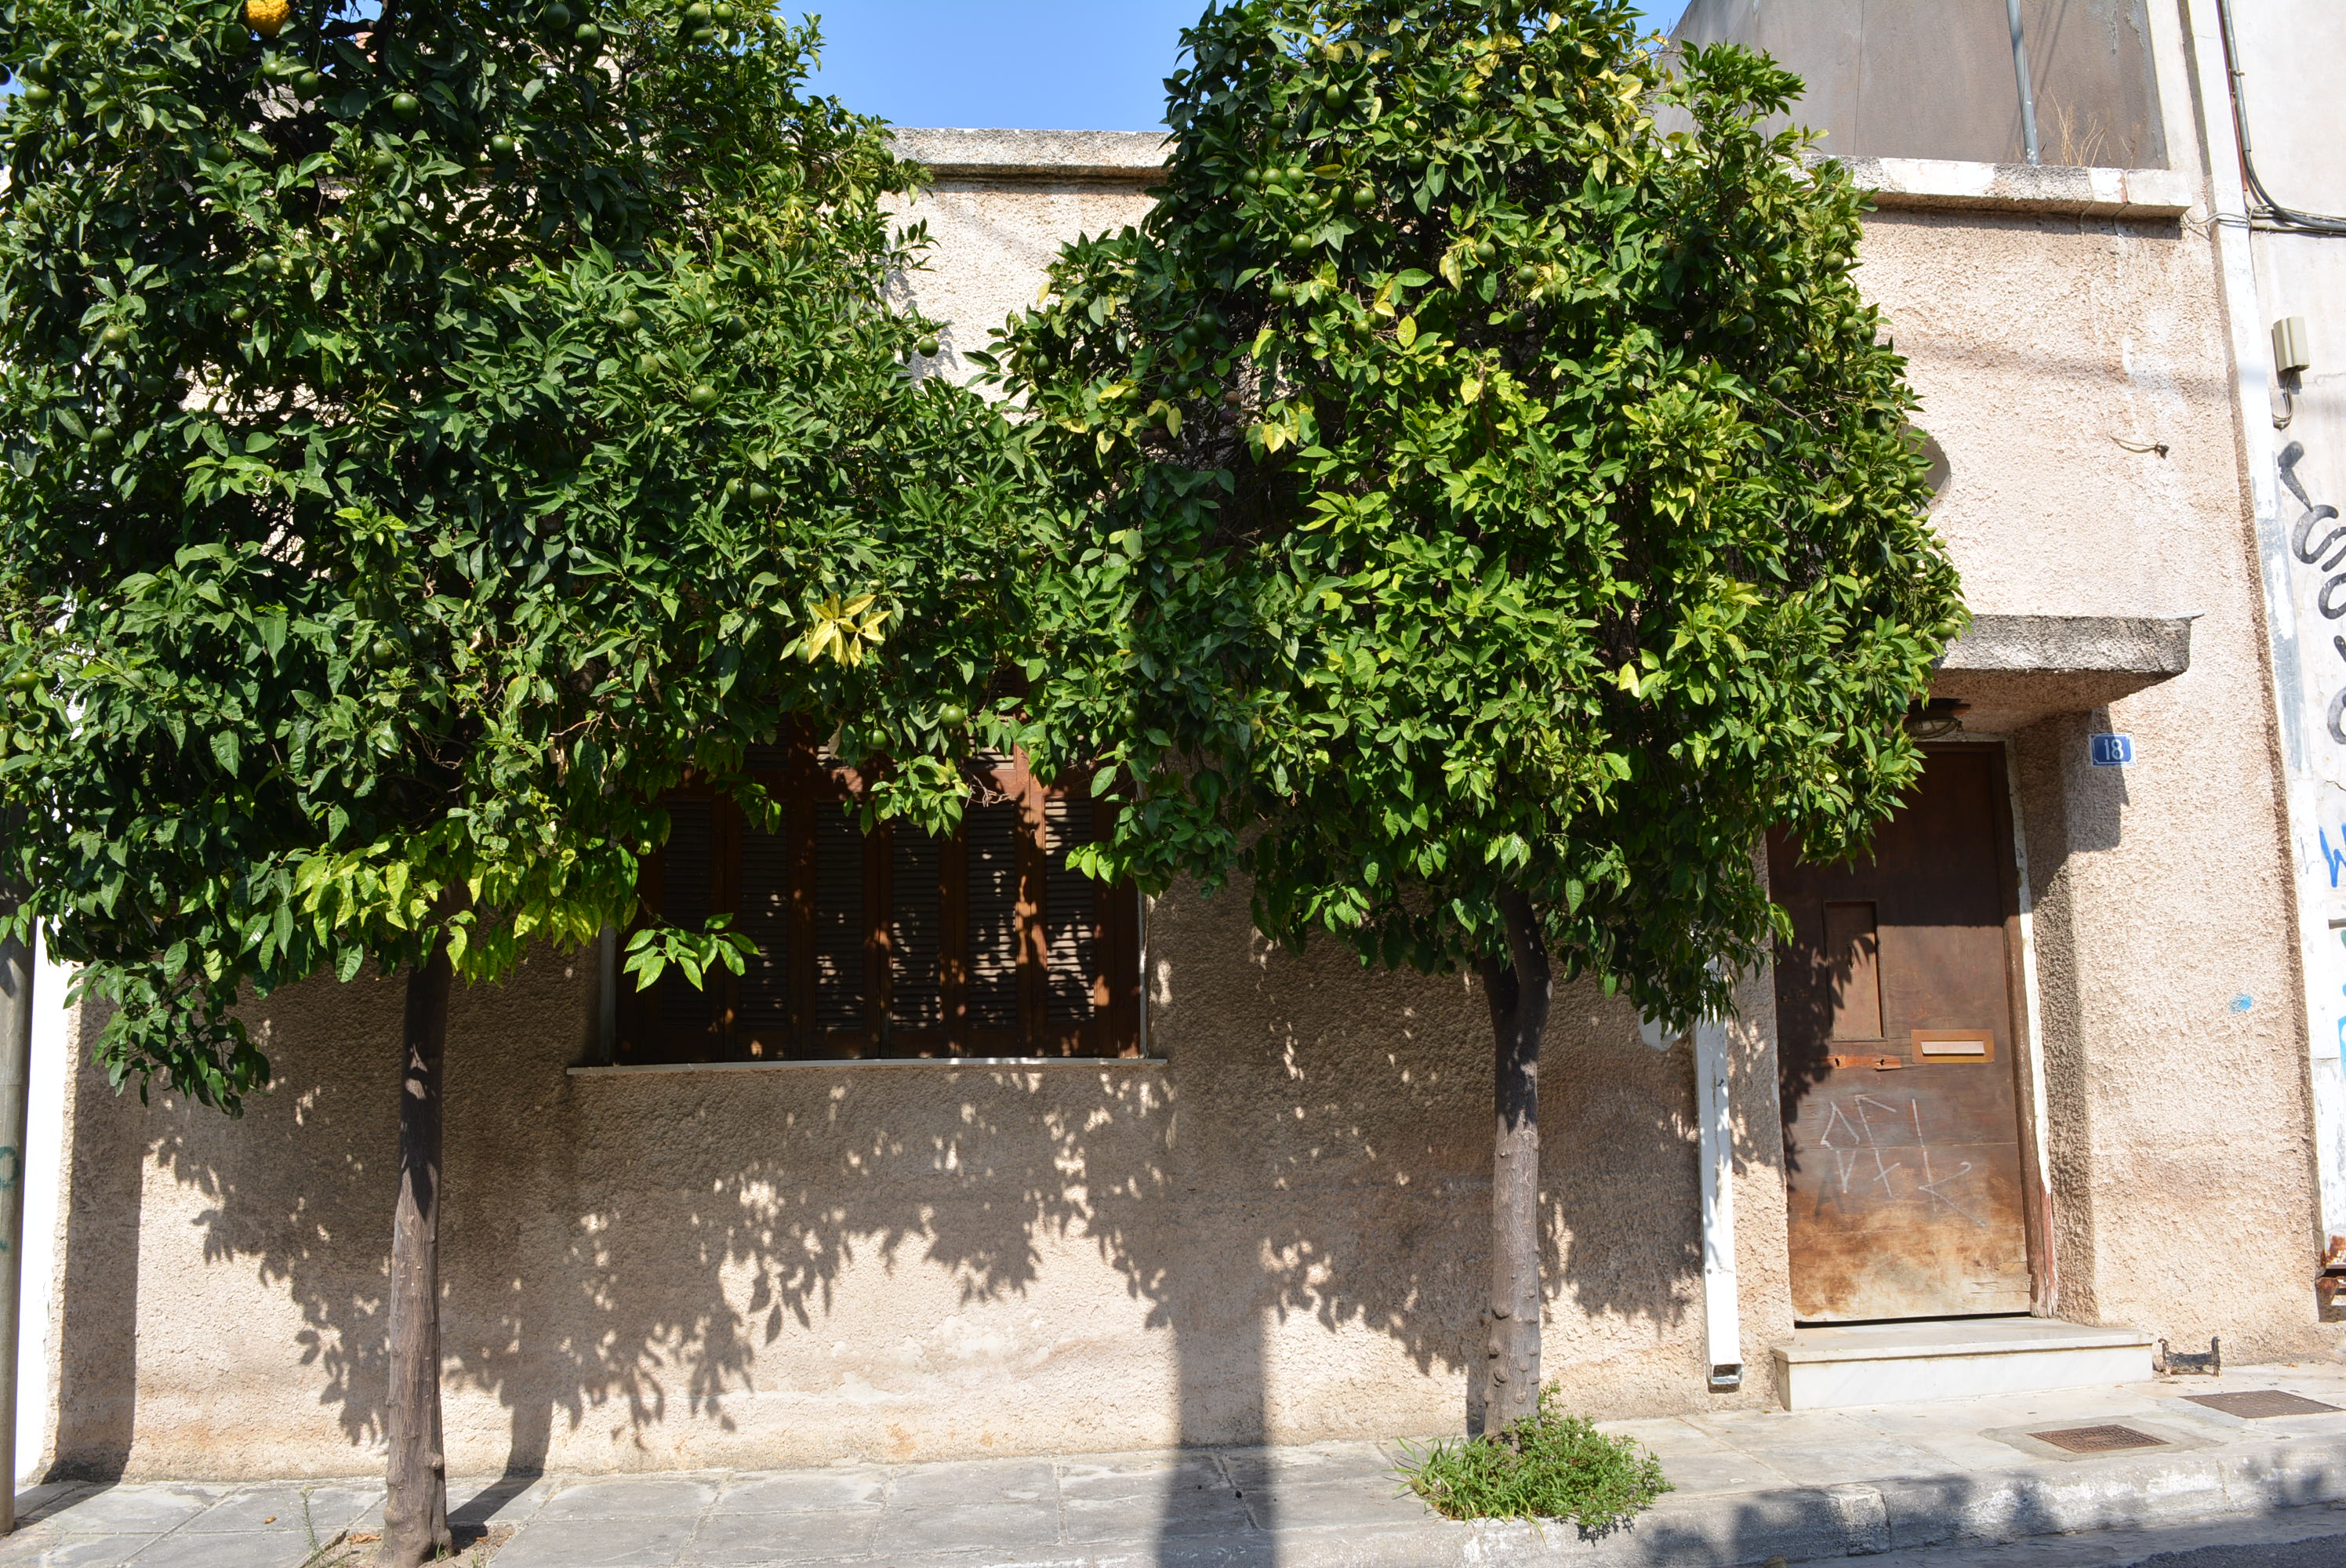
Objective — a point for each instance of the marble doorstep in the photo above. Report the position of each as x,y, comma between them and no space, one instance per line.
1834,1368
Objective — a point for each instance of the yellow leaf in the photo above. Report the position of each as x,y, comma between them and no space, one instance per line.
1407,331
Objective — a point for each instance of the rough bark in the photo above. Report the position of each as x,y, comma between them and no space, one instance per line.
1519,993
415,1511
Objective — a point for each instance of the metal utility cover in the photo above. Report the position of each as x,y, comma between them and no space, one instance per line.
2099,1439
2261,1404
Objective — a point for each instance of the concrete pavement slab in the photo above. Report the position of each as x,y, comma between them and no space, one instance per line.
961,1483
150,1510
1854,1460
1699,1474
1098,1521
1253,1467
1310,1505
498,1500
726,1540
327,1510
73,1551
632,1497
248,1549
998,1527
804,1492
600,1542
1149,1474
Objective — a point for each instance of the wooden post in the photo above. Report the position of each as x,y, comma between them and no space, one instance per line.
415,1511
1519,993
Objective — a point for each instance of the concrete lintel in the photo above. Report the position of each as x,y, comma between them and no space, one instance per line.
2151,648
1121,158
2014,671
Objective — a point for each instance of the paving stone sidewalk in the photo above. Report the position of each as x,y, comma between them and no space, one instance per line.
1752,1486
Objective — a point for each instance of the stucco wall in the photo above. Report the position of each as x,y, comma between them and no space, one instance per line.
1278,1231
2047,351
1277,1234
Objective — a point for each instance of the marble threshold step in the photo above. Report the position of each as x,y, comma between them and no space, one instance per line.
1887,1363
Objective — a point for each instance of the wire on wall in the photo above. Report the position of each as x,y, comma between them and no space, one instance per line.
2272,211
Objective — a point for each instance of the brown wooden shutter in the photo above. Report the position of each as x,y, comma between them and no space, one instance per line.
1071,944
676,1022
991,842
986,944
916,868
841,933
763,1013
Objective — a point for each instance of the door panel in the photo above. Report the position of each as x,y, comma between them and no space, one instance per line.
1901,1126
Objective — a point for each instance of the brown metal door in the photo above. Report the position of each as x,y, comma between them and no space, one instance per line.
1894,1016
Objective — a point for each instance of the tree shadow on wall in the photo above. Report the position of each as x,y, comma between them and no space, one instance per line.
630,1261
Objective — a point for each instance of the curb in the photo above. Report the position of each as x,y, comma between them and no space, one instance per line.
1796,1524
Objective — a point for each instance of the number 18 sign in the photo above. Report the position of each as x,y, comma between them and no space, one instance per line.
2112,751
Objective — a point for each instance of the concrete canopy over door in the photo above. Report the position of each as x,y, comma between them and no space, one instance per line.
1896,1046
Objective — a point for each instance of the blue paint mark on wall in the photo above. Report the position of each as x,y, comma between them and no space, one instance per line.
2336,857
2243,1002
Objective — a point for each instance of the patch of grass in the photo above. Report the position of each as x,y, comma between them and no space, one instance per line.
1548,1465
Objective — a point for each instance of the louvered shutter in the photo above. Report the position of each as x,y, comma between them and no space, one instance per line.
841,930
986,944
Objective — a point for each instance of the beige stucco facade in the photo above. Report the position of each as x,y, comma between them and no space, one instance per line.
1274,1229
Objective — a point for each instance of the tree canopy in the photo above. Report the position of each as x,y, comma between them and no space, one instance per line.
426,438
1474,485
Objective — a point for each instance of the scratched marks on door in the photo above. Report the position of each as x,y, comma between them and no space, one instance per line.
1859,1154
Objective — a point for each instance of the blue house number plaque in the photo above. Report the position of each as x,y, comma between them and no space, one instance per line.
2112,751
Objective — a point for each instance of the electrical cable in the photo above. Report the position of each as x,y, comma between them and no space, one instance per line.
2310,222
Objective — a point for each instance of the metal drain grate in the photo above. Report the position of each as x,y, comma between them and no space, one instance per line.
2099,1439
2260,1404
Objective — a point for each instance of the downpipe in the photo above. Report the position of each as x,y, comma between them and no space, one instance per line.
1722,1298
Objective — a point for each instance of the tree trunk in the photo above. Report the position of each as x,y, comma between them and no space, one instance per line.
1519,993
416,1511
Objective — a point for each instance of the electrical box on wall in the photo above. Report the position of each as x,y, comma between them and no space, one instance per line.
2290,349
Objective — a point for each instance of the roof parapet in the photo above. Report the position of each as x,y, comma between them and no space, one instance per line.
1138,157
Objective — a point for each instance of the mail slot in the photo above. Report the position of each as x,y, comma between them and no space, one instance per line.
1952,1046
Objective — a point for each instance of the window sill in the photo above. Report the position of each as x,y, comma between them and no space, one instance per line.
950,1063
1917,184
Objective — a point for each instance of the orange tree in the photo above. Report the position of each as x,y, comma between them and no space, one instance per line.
426,439
1484,514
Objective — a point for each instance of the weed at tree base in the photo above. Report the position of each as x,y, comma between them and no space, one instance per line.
1549,1465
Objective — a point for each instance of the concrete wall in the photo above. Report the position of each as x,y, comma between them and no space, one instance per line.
1893,79
2178,1127
1275,1231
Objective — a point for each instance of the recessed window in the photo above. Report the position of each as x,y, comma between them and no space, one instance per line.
892,943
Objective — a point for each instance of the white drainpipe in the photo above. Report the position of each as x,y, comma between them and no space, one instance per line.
1722,1304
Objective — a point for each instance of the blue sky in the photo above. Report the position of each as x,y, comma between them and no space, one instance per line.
1017,65
1014,65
